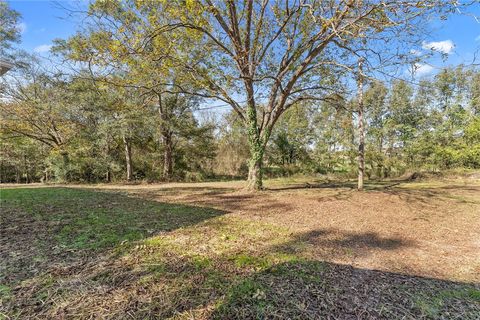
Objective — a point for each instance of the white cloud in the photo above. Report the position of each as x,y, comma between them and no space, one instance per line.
21,27
416,52
477,38
43,48
445,46
421,69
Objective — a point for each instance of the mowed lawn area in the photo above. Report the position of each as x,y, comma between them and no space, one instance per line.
399,250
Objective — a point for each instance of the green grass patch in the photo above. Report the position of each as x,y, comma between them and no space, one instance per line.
201,263
5,292
432,305
249,261
90,219
249,293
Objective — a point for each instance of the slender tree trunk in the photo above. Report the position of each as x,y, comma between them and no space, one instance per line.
26,168
66,164
167,155
108,174
17,175
164,110
128,158
380,156
1,172
361,129
361,150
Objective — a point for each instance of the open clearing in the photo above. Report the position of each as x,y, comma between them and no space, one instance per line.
211,250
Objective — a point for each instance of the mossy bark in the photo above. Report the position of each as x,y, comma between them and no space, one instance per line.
255,175
257,140
257,149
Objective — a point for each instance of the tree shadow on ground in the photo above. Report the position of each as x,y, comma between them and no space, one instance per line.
331,243
462,195
321,290
45,227
228,198
297,289
369,185
176,190
259,288
166,275
422,194
318,289
154,281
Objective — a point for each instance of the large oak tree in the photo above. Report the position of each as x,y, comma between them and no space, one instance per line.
261,57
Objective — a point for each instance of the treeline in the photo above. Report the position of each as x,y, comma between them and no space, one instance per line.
73,130
132,95
62,129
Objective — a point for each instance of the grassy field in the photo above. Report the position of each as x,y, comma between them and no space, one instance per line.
213,251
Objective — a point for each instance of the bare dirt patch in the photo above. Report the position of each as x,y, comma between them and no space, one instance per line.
428,228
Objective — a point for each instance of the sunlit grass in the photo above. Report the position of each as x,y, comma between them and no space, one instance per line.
163,260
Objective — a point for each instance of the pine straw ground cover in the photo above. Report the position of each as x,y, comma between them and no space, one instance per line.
213,251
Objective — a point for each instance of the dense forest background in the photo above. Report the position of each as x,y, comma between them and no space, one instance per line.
69,130
58,126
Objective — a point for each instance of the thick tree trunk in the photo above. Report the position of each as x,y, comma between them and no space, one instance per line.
167,155
257,150
361,130
255,175
128,158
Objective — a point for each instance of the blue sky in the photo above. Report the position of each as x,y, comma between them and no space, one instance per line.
458,37
42,22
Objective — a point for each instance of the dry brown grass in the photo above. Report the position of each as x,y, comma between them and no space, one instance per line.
297,250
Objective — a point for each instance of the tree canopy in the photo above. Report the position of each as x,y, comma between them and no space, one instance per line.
134,94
